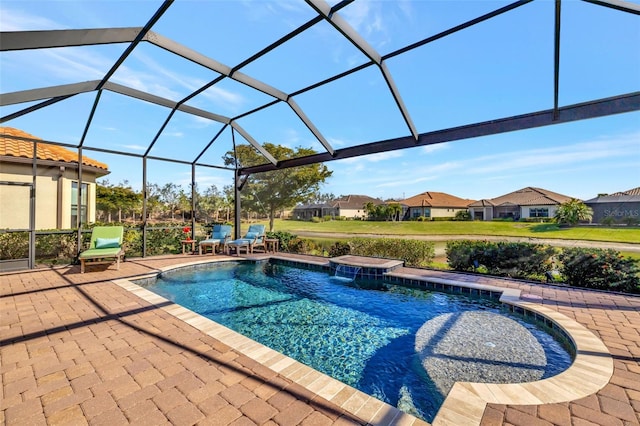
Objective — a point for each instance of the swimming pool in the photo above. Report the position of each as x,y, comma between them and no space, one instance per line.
402,345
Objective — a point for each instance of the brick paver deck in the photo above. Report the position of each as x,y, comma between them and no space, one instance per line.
79,349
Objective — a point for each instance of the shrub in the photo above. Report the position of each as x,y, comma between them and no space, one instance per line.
631,221
608,221
339,248
462,215
283,238
316,219
412,252
301,245
603,269
522,260
57,246
461,254
14,245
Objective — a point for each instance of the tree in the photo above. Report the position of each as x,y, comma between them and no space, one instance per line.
154,205
210,203
228,201
319,198
118,198
170,197
573,211
184,203
394,210
272,191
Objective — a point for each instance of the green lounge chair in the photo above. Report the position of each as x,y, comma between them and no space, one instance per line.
220,234
106,243
254,238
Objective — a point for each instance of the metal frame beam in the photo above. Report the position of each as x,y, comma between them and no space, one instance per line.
603,107
624,6
29,40
344,28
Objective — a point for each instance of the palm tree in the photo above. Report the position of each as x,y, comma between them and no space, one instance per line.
573,211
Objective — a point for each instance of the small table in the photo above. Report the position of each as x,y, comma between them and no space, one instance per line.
272,245
237,246
185,243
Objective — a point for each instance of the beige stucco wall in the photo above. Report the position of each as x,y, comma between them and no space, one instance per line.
444,212
436,211
352,213
14,200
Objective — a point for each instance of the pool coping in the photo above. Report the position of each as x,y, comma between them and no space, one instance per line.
591,370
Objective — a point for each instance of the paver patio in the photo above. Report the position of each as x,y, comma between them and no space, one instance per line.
79,349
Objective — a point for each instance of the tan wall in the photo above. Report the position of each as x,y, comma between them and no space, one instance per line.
444,212
14,200
355,213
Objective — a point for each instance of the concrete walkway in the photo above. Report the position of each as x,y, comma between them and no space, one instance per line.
80,349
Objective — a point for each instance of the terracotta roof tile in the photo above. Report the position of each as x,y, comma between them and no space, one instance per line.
436,199
355,201
633,191
19,148
531,196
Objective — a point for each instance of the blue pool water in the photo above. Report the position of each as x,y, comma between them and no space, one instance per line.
404,346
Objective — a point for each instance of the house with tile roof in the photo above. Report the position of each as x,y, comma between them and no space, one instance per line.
347,206
55,184
352,206
620,206
433,204
525,203
309,211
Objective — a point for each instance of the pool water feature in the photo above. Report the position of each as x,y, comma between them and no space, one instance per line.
402,345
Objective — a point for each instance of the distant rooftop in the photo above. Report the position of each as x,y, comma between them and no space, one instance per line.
631,195
528,196
11,147
436,199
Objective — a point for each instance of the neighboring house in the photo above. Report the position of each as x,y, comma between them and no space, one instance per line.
619,206
352,206
526,203
433,204
348,206
56,183
308,211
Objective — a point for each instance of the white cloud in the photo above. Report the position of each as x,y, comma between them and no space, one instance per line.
174,134
428,149
555,157
135,147
374,158
16,20
364,16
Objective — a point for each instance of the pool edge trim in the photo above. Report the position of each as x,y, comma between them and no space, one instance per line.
465,403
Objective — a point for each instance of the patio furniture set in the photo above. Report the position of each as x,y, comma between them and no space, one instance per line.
106,244
220,239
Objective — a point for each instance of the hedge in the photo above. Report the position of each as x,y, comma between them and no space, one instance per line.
511,259
413,252
603,269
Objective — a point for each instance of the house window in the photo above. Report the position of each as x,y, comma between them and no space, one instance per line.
541,212
421,212
74,203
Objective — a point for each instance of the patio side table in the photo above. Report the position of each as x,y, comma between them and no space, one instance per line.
186,243
271,245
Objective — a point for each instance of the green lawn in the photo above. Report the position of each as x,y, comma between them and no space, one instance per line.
511,229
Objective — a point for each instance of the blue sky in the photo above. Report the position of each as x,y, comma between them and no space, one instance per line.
496,69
